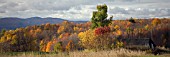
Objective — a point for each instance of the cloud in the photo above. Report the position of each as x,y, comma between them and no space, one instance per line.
82,9
118,10
2,11
126,0
139,12
75,13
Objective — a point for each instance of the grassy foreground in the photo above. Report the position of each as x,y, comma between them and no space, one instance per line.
85,53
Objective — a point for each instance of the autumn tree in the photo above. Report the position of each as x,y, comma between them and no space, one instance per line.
129,31
65,26
102,30
156,21
48,48
99,18
58,47
70,46
87,38
96,39
147,27
47,26
103,38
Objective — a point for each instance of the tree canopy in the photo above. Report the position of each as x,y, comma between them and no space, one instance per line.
99,18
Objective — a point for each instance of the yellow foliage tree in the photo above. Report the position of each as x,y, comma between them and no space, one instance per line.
76,29
9,36
60,29
147,27
2,39
14,39
87,38
116,27
61,36
156,21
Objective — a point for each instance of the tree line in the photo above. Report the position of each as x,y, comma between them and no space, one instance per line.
98,34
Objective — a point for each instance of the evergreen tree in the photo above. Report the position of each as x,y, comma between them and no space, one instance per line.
99,18
132,20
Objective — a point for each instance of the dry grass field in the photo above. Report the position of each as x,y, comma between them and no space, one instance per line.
87,53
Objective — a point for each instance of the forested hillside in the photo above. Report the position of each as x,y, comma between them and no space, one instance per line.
100,33
68,36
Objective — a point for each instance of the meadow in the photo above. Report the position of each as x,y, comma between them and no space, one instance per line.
119,52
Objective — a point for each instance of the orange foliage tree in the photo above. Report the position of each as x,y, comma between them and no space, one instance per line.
70,46
49,48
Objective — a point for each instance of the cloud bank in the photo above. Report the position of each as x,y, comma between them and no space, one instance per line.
82,9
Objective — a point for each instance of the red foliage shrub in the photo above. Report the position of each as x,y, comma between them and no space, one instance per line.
102,30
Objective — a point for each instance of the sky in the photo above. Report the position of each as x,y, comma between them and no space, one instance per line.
79,10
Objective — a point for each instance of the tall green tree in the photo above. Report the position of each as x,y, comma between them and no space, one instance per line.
99,18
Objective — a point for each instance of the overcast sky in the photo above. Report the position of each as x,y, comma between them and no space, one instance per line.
82,9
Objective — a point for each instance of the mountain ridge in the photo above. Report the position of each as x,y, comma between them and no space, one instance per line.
10,23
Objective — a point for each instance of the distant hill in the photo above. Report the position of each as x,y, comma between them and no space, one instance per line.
11,23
